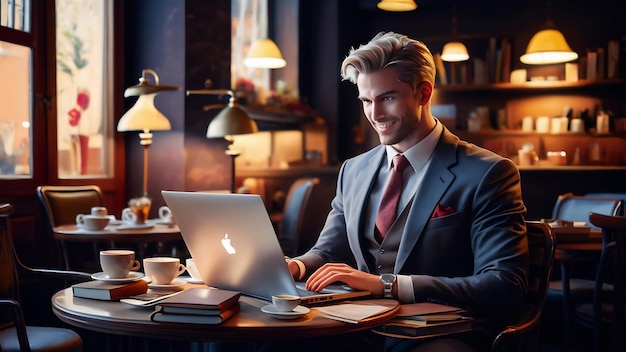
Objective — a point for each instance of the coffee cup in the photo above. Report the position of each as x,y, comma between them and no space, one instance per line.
99,211
162,270
285,303
137,210
92,222
117,263
192,269
165,213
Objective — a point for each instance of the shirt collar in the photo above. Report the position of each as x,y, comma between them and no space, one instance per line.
418,154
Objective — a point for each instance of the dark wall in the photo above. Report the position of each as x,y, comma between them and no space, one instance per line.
155,38
585,25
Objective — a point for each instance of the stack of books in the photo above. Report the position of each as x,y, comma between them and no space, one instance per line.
198,306
420,320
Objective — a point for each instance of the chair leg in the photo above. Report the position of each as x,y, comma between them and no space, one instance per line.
567,302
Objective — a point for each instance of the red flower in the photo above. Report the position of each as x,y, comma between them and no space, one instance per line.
82,99
74,115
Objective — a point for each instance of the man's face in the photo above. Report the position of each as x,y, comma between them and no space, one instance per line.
391,107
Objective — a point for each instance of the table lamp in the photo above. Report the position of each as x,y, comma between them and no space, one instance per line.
232,120
144,116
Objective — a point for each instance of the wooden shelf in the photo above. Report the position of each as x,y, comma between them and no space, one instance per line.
529,86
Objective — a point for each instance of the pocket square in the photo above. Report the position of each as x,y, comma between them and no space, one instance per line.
441,211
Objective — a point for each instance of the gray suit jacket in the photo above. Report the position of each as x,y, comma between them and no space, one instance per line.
474,257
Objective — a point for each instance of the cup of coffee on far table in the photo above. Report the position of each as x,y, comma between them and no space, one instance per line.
92,222
163,270
165,213
117,263
285,303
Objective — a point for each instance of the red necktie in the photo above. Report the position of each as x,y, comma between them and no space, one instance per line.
389,202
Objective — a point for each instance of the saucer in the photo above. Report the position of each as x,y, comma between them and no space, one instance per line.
132,276
127,226
295,313
174,284
191,280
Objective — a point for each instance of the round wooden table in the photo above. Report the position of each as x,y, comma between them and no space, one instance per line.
250,324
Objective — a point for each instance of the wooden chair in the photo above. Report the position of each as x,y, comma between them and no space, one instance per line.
575,286
290,228
63,203
524,335
605,313
15,335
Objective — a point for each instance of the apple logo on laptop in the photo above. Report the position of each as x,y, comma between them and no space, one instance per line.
227,246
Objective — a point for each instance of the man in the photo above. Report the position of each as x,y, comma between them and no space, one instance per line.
459,237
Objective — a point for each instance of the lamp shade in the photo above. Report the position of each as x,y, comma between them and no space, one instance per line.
454,52
232,120
397,5
144,116
264,53
548,46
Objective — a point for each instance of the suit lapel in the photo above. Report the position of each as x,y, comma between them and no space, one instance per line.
436,181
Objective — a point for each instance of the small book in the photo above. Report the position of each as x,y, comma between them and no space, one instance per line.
107,291
159,316
407,328
200,301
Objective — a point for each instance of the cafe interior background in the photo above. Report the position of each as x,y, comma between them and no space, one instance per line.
63,85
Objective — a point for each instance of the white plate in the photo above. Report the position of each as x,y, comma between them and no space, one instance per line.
132,276
295,313
174,284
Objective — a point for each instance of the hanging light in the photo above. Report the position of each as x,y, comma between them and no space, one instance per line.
454,51
548,46
397,5
264,53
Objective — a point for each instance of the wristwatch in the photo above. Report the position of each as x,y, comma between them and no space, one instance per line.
387,280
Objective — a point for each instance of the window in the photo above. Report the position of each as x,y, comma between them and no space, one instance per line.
84,90
16,90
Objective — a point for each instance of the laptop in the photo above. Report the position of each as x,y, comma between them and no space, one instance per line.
234,246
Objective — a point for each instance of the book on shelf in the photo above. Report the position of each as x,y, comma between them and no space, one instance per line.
109,291
221,316
199,301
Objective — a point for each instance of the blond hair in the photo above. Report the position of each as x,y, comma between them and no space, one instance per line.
412,60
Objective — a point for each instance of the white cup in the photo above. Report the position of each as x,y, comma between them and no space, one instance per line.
577,125
192,269
285,303
528,124
92,222
162,270
117,263
165,214
543,124
99,211
131,217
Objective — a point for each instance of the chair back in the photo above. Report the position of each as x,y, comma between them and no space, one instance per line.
611,271
294,213
524,335
9,287
577,208
63,203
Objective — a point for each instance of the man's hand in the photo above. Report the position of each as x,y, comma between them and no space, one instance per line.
294,269
356,279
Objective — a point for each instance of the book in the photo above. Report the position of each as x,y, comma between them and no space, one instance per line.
408,328
159,316
357,311
109,291
199,301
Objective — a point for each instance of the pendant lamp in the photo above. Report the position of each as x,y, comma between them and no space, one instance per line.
264,53
454,51
548,46
397,5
